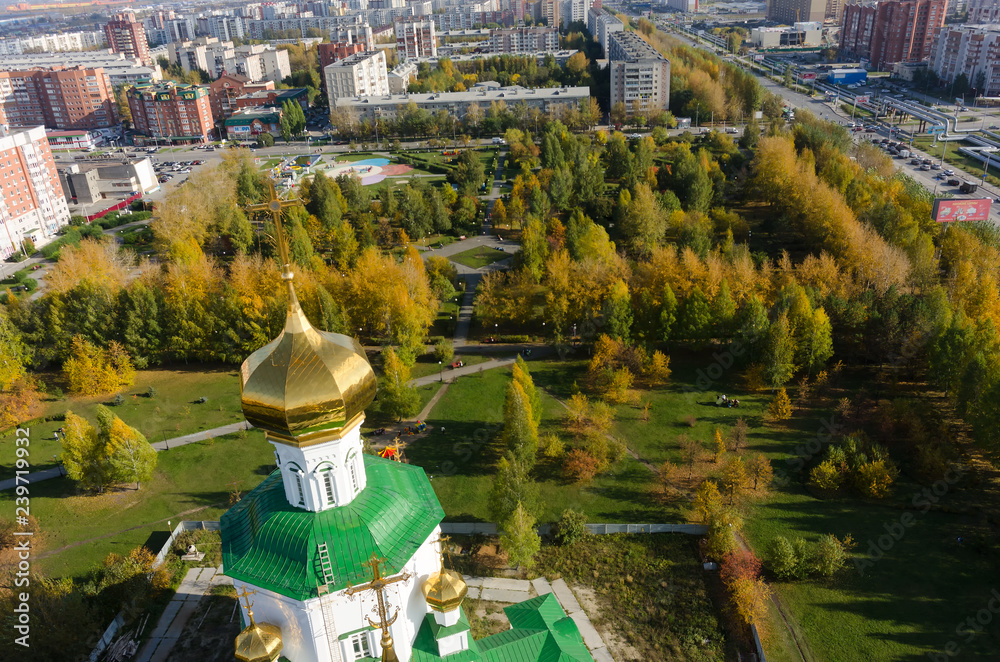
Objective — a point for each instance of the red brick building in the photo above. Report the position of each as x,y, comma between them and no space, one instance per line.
273,98
330,53
223,91
172,112
128,36
891,31
76,98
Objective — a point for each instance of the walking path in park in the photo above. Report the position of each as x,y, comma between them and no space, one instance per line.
196,584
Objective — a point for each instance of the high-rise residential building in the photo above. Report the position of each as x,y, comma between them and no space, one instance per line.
549,12
172,112
891,31
601,23
983,11
330,53
53,43
573,11
973,50
76,98
640,75
524,40
358,75
32,202
128,36
795,11
118,69
415,39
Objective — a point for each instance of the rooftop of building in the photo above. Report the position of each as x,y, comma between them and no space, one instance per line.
355,58
480,93
290,93
635,46
267,115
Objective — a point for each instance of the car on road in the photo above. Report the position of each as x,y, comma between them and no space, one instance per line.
935,166
953,182
499,141
948,172
925,167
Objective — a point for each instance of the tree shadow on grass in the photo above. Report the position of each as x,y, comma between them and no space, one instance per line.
466,448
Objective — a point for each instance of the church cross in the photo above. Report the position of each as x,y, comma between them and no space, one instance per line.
378,584
273,206
246,597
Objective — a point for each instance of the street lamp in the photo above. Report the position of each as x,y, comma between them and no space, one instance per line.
441,368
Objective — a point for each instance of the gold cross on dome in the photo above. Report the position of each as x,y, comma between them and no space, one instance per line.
274,205
246,597
378,584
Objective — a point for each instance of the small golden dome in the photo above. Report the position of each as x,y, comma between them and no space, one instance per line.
305,383
258,642
445,590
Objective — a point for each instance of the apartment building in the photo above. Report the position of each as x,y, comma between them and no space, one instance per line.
793,11
126,35
77,98
223,92
359,75
549,12
524,40
458,103
32,203
640,75
401,77
415,39
973,50
601,23
53,43
255,61
172,112
330,53
891,31
573,11
983,11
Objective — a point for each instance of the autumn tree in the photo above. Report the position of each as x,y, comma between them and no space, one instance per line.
520,432
130,457
519,538
512,488
759,471
780,408
93,371
734,477
522,376
658,371
84,454
644,224
19,396
690,450
718,445
580,466
707,500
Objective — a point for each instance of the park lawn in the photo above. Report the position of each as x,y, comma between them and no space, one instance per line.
461,460
477,258
904,607
446,320
172,413
191,482
374,419
428,365
435,240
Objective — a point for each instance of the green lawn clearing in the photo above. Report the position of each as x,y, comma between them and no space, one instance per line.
172,412
191,482
477,258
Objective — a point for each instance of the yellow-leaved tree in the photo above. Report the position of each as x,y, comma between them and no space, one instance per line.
91,370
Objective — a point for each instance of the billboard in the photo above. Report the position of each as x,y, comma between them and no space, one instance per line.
947,210
811,75
864,98
938,128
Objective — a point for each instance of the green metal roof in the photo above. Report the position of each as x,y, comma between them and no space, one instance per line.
540,632
439,631
270,543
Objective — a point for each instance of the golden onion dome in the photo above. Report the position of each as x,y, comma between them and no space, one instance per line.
306,382
258,642
445,590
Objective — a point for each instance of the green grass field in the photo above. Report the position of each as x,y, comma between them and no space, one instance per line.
953,157
477,258
191,482
171,413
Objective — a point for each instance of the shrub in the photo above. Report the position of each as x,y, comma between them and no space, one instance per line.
119,399
826,476
874,479
29,246
151,392
265,140
444,351
571,528
551,446
831,555
789,559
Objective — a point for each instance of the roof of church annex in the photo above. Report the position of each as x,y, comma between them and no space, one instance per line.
540,632
271,544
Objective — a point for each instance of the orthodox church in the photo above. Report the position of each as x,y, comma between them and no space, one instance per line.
338,548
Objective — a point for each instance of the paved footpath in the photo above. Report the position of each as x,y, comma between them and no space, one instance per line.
197,582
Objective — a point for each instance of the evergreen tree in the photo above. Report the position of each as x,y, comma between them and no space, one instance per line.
618,312
552,154
696,317
668,314
723,310
512,486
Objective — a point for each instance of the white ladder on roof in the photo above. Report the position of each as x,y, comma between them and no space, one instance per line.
326,601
